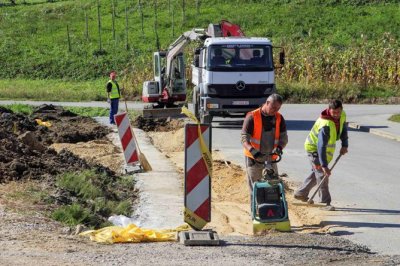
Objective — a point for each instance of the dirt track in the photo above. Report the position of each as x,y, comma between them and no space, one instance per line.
27,237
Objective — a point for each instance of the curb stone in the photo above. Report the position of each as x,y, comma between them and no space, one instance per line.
374,131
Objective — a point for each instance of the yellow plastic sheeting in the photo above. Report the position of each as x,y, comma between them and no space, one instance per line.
42,123
133,234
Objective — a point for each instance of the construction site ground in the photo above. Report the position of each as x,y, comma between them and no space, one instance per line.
28,236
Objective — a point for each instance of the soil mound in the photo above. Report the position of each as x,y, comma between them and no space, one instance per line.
24,152
158,124
68,127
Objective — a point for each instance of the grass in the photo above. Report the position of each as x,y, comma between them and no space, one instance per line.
74,215
327,42
350,44
95,198
88,111
53,90
303,92
20,108
82,111
395,118
31,193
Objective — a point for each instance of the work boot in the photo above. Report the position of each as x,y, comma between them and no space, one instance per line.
301,198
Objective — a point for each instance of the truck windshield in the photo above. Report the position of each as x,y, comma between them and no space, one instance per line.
240,57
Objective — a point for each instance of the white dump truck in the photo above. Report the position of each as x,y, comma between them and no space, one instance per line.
232,74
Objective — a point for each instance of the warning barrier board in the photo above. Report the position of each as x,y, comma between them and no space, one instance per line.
198,169
127,138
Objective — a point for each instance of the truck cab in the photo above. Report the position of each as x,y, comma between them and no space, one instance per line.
232,76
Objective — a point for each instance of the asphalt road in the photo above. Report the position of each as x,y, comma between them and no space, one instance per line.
364,184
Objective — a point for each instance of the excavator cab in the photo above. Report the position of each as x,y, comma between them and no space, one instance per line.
159,69
177,82
166,87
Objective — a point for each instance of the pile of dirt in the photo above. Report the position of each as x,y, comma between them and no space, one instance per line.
100,151
158,124
68,127
24,144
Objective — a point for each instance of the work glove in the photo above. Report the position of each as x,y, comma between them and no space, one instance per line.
256,153
108,100
278,150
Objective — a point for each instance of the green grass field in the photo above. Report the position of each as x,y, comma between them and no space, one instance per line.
82,111
53,90
395,118
348,46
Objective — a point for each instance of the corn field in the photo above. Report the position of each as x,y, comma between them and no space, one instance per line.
364,64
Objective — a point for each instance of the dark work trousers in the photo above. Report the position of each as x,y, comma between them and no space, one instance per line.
113,109
254,171
313,179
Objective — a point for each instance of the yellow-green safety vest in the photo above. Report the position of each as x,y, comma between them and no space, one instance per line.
312,139
114,94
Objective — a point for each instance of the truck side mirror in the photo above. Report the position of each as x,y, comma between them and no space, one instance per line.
282,57
197,51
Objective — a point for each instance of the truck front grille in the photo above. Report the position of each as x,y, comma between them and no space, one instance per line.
230,91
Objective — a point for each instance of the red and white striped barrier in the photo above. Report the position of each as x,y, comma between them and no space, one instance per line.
197,177
127,138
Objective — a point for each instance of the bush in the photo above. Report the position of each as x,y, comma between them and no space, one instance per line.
74,215
95,197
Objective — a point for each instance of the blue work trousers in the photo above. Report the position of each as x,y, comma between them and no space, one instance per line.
113,109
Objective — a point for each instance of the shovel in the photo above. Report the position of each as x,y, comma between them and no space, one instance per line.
311,201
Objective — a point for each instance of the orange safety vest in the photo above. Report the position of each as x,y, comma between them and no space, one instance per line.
255,139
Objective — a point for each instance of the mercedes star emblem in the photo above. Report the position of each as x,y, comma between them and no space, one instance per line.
240,85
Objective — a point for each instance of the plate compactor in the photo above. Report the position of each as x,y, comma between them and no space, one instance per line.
268,204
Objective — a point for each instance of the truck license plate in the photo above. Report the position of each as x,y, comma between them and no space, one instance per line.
240,102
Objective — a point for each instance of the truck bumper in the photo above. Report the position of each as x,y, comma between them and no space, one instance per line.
222,106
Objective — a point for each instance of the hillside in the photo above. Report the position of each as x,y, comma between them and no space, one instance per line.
329,44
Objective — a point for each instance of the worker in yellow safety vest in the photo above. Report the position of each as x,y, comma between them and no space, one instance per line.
320,146
113,95
263,132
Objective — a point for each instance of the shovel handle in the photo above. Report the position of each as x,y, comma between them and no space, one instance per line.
310,201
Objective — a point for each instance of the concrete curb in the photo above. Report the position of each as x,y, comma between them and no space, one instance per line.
377,132
160,199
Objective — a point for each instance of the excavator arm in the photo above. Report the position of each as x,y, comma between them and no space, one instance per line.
223,29
177,47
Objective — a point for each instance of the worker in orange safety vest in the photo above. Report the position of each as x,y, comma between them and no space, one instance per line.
263,132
